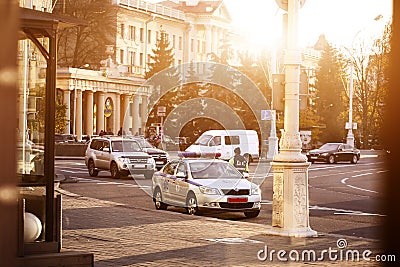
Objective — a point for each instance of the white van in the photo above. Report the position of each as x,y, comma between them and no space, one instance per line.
225,141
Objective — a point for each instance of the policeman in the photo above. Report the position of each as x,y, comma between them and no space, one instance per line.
239,161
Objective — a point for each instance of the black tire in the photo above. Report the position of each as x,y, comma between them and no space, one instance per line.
148,175
354,159
191,204
92,169
331,159
115,173
251,214
157,199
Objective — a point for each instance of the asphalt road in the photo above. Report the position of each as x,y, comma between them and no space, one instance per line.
345,198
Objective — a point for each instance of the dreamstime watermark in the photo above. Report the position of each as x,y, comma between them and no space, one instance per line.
340,253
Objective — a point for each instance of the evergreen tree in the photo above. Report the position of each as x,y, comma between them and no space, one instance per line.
330,92
162,58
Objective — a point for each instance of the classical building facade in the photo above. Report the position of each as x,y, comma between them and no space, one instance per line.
114,97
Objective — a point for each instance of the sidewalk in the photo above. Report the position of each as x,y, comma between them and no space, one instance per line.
120,235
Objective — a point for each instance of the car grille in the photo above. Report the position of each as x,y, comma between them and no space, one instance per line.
236,192
314,154
159,157
247,205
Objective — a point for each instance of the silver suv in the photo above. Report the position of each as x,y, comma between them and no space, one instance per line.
120,156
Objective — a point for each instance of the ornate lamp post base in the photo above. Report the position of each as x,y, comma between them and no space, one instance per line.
290,215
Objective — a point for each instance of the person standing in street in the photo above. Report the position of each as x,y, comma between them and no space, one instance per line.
239,161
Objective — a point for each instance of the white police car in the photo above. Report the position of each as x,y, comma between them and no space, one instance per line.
205,183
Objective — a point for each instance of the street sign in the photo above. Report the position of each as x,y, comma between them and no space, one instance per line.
267,114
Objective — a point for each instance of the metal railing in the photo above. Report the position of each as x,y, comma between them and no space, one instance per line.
152,7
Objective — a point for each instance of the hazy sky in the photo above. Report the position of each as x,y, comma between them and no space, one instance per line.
339,20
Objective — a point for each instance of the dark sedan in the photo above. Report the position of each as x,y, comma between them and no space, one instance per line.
334,152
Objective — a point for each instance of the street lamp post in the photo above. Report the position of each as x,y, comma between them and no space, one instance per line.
350,135
290,215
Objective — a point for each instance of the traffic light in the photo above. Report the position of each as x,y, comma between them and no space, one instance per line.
303,90
278,92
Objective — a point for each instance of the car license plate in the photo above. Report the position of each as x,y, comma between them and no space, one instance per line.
237,199
139,166
159,161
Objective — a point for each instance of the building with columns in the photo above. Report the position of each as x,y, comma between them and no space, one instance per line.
101,103
114,97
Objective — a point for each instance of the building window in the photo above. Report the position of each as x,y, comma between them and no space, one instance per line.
123,31
121,56
141,34
180,43
192,45
141,59
148,36
131,58
173,41
132,32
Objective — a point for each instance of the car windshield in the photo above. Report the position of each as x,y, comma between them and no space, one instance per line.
213,170
329,147
203,140
125,146
144,143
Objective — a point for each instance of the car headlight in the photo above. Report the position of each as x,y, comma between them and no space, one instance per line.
255,190
208,190
124,160
151,161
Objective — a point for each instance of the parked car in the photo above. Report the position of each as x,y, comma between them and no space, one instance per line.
211,184
118,155
160,156
334,152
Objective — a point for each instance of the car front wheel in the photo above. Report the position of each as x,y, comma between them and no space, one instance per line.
115,173
331,159
354,160
92,169
157,198
191,204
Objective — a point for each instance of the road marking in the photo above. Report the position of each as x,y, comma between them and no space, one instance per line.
343,181
363,174
99,182
336,211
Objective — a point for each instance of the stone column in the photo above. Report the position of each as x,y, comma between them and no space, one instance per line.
209,39
125,113
67,103
100,112
117,113
78,115
89,112
135,115
290,215
144,112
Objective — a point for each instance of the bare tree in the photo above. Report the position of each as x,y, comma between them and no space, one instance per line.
370,86
86,43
